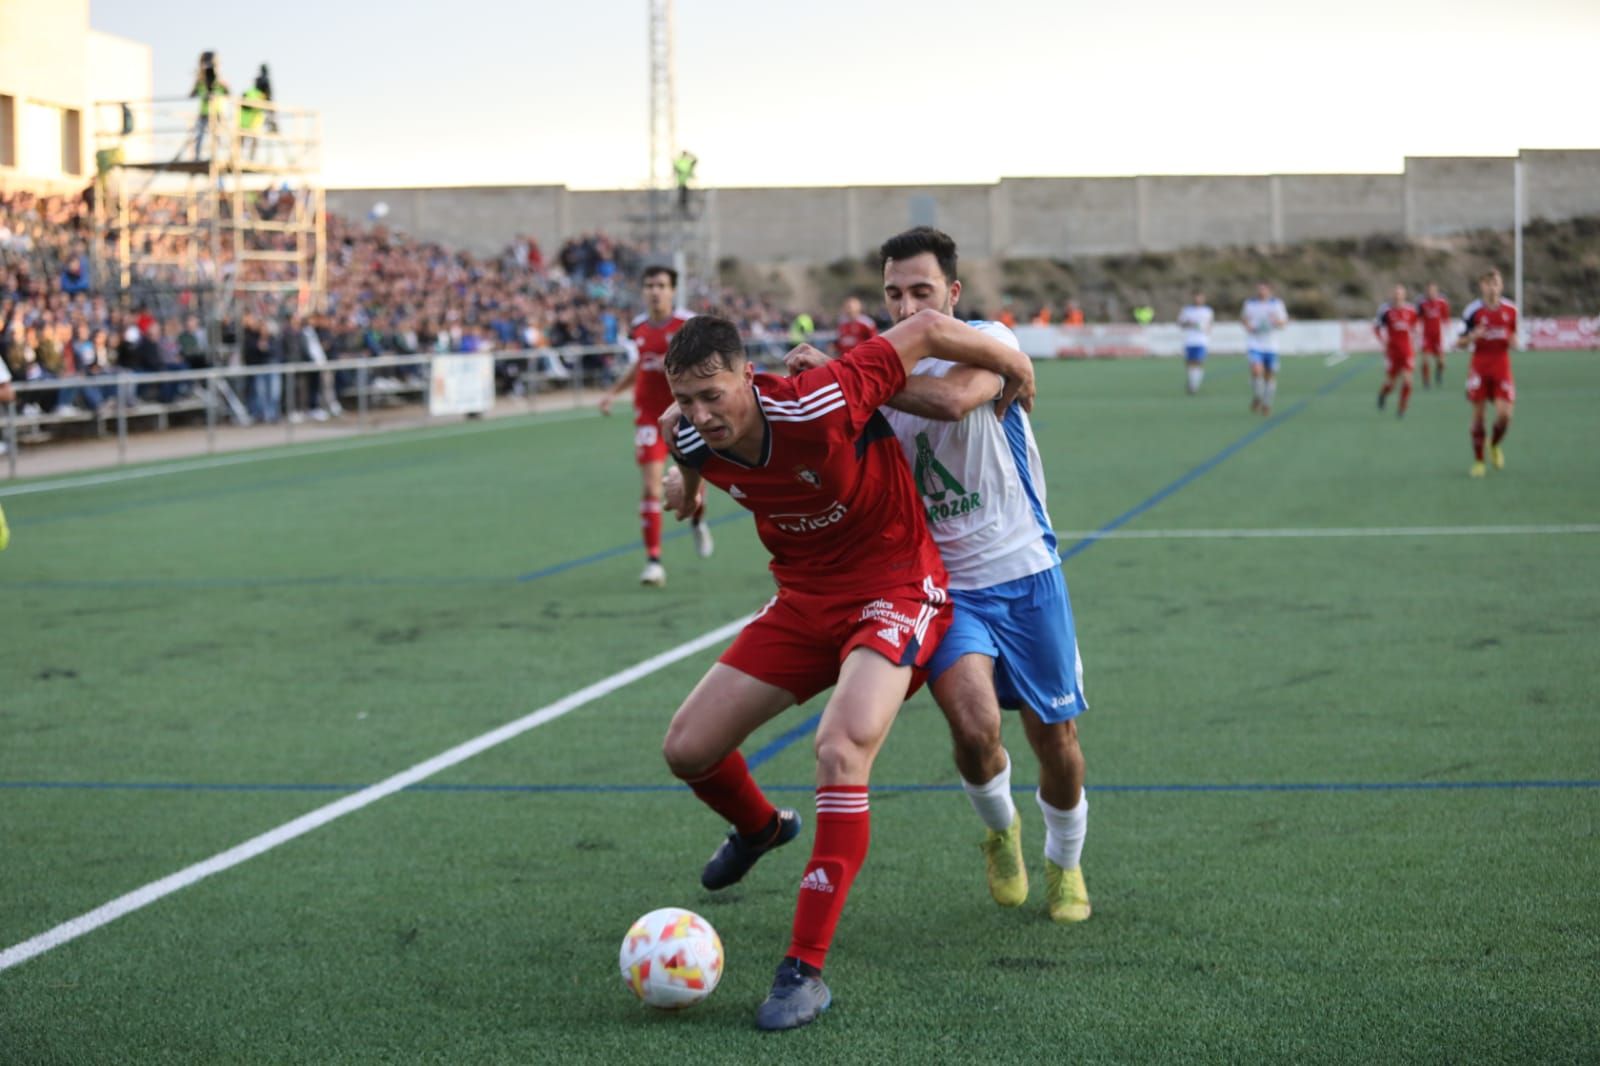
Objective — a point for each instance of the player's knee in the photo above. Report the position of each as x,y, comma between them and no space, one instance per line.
841,759
974,732
688,755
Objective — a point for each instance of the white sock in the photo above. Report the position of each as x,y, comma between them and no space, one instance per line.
992,800
1063,831
1269,392
1195,374
1258,386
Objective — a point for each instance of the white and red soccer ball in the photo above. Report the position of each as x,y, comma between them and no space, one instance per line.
671,958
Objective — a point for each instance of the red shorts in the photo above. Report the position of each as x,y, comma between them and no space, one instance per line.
1400,364
648,445
800,639
1482,387
1433,346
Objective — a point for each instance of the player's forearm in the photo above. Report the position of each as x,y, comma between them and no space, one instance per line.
946,399
625,382
929,333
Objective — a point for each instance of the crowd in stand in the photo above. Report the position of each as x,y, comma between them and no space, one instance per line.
387,294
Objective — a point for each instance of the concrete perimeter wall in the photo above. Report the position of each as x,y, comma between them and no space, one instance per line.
1023,217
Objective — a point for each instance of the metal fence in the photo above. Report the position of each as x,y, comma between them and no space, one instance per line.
221,394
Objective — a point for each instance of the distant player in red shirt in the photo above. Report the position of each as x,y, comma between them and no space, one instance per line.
1396,322
1491,325
651,333
1435,313
854,327
860,605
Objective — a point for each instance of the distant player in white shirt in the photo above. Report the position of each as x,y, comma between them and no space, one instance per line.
1012,643
1263,316
1196,319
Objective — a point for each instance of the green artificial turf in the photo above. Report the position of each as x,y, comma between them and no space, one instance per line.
1344,789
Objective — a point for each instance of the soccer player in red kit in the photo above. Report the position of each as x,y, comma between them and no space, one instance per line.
1435,313
854,327
651,333
1396,322
860,605
1491,330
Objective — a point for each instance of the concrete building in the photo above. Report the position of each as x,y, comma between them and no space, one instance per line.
53,68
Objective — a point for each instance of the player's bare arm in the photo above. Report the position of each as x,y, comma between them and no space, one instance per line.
944,399
621,385
683,490
930,333
950,398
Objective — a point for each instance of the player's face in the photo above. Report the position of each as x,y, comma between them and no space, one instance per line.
852,307
720,405
1433,292
1399,295
1199,299
910,285
658,295
1491,287
1264,291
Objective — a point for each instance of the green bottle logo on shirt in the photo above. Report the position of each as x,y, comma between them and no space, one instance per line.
935,483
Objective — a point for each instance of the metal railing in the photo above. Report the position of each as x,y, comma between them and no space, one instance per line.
219,392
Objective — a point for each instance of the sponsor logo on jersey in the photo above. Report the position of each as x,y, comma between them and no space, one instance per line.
810,523
810,477
736,492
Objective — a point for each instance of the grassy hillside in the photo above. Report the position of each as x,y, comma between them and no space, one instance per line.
1343,278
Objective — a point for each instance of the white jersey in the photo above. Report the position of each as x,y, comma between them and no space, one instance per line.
1196,323
1261,318
982,487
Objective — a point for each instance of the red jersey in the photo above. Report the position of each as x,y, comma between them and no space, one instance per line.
1434,314
1491,353
832,496
651,393
854,331
1395,324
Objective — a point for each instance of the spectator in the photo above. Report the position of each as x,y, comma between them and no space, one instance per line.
211,90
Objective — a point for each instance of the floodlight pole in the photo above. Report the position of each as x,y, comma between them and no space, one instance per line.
663,117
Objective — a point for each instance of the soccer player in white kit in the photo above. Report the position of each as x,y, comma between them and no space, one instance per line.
1263,316
1012,643
1195,320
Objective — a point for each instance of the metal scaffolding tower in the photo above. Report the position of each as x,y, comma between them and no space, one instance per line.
214,214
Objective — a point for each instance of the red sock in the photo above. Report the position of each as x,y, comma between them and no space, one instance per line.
844,829
729,790
1500,427
1405,396
650,520
1477,439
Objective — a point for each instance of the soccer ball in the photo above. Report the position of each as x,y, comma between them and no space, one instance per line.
671,958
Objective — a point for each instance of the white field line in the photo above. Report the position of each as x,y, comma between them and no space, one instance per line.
142,897
286,452
1349,531
1336,358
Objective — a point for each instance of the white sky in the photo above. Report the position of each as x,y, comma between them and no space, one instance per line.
843,92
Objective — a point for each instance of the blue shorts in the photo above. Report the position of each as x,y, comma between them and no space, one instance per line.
1025,626
1194,353
1268,361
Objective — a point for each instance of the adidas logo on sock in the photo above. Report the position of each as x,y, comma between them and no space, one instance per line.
817,881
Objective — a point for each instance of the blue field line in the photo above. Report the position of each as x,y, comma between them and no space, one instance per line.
1212,463
622,549
619,789
779,743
